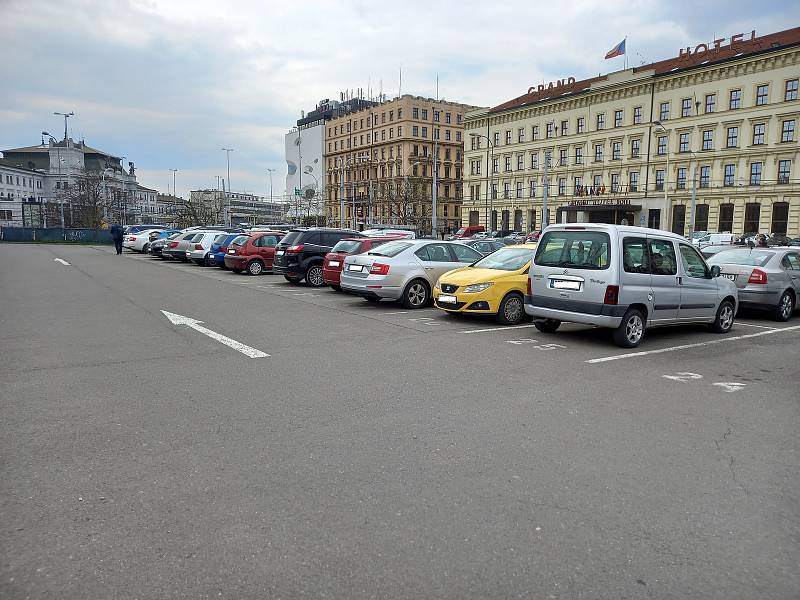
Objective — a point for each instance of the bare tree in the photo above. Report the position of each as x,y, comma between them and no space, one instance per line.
204,210
88,198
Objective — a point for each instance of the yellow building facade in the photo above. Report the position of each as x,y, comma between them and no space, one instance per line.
718,122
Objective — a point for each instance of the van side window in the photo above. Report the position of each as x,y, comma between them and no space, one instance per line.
791,262
692,263
635,257
662,258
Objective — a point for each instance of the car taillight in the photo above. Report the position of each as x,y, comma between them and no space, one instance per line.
173,244
132,238
757,276
223,249
612,294
530,289
379,269
296,248
198,246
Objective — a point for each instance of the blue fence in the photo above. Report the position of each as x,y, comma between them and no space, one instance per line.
55,234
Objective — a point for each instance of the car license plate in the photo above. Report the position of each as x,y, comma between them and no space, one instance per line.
231,251
565,285
447,299
355,268
279,253
333,263
730,276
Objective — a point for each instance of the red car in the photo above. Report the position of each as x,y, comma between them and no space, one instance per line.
253,253
334,260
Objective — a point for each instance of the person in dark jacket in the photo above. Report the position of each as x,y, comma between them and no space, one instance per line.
116,235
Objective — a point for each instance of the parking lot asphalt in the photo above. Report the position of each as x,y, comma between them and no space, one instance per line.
369,451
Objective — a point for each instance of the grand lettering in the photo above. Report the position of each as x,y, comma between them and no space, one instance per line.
553,85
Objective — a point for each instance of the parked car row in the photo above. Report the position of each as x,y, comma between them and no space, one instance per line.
628,279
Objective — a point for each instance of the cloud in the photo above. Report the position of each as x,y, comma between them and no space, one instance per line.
170,82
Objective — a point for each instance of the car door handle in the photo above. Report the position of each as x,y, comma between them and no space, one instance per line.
679,280
429,268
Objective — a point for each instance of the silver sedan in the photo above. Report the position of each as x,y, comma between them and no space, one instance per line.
404,270
766,278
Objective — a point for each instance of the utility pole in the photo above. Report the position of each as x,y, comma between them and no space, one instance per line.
434,190
174,192
270,171
66,116
546,186
228,156
341,192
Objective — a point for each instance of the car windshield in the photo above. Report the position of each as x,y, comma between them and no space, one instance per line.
290,237
390,249
742,256
174,235
346,246
576,249
461,231
220,238
239,240
506,259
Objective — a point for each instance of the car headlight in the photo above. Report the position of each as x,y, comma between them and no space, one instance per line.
477,287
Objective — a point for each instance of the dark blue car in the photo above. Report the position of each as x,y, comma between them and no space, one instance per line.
216,255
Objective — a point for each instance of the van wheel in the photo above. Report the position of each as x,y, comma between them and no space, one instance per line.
314,276
416,294
511,311
547,325
630,332
785,308
254,267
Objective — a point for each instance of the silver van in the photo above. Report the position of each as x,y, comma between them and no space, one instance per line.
624,278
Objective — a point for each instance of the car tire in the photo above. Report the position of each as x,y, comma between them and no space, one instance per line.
547,325
255,267
416,294
336,288
291,279
724,319
208,262
200,262
236,270
512,310
146,248
630,332
785,307
314,276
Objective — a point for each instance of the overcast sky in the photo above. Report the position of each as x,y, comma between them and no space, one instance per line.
168,83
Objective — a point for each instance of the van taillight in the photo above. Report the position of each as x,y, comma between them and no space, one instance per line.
379,269
296,248
530,289
757,276
612,294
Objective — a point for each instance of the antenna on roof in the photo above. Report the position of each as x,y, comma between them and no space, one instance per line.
400,86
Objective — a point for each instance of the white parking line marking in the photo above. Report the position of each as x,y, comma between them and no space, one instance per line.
399,312
697,345
754,325
496,328
730,387
62,261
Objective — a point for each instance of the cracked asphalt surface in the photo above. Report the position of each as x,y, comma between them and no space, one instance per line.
375,453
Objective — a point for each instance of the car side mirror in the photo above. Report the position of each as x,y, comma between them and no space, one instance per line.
715,271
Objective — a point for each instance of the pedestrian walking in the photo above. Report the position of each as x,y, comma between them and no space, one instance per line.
116,235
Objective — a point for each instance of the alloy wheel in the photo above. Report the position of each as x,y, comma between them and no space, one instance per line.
634,328
417,294
314,277
726,317
513,310
786,307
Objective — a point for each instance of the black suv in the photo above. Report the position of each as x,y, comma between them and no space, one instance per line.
300,253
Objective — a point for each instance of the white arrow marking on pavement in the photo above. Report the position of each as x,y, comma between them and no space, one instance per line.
195,324
62,261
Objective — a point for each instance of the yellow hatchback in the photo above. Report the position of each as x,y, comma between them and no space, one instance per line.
495,285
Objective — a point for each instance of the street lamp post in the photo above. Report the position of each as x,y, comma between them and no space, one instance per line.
489,176
405,191
174,191
66,116
307,171
660,126
227,152
58,158
270,171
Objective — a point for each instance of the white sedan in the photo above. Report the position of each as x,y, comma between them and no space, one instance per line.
140,241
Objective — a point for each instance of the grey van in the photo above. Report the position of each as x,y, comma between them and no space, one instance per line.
624,278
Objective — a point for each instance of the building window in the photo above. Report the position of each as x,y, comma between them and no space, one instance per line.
496,139
660,180
506,190
564,127
578,156
415,133
708,139
436,116
534,160
683,142
758,134
598,181
508,137
598,152
681,181
752,216
414,114
562,186
520,162
535,132
784,170
601,121
495,165
633,180
562,157
663,112
735,99
755,173
686,107
521,135
733,137
679,219
701,217
617,118
787,131
762,94
458,136
614,183
581,126
616,150
425,132
780,217
705,176
520,189
662,145
548,131
578,185
636,148
791,90
730,175
532,191
725,218
425,114
637,115
711,103
508,163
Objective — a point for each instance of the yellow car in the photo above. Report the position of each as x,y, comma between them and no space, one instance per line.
495,285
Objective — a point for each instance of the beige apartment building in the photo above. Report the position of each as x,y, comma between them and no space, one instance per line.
720,119
379,163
